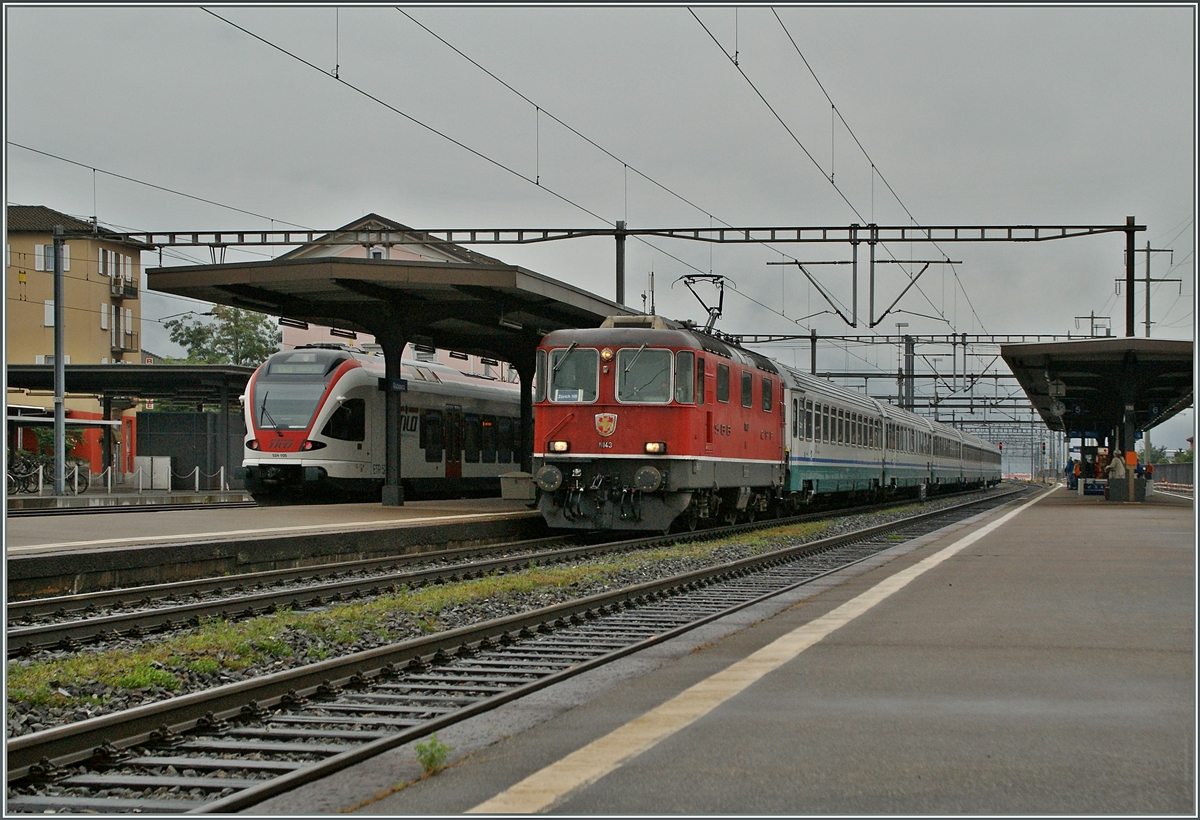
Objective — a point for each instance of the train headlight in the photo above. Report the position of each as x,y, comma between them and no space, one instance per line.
647,479
312,445
656,448
549,478
253,444
558,446
606,354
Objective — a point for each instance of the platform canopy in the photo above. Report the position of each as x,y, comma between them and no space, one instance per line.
438,294
187,383
1102,385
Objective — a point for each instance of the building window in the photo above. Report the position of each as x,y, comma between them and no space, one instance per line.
43,257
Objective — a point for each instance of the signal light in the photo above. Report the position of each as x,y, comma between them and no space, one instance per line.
1001,445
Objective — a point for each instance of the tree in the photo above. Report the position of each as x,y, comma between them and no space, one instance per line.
1184,457
1155,455
235,336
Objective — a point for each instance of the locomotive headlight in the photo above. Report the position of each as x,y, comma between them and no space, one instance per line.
312,445
647,479
558,446
656,448
253,444
549,478
606,354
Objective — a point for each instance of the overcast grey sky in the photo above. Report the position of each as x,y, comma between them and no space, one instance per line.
1020,115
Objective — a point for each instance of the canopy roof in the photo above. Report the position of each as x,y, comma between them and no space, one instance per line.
1086,385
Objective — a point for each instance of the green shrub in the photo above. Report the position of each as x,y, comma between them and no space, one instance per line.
432,754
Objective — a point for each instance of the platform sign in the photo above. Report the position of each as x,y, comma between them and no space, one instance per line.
394,385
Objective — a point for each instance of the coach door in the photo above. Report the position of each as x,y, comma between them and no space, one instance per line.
454,441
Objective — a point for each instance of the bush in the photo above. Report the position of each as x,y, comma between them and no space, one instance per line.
432,754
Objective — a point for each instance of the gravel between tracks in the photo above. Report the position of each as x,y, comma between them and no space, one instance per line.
25,718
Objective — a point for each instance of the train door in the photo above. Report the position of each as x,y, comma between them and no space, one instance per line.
454,441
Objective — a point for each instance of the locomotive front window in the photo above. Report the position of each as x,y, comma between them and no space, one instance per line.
644,375
287,405
574,374
685,381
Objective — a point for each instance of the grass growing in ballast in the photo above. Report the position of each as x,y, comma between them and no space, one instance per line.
269,642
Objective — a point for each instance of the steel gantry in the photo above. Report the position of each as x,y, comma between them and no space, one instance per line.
853,235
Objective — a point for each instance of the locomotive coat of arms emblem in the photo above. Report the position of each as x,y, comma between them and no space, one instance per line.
606,423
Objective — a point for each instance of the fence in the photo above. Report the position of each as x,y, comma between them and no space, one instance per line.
1175,474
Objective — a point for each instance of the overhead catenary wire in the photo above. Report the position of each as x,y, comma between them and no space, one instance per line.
792,134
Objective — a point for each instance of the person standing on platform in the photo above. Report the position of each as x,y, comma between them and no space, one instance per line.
1116,467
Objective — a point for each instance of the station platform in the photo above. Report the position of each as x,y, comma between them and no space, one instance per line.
59,554
1036,659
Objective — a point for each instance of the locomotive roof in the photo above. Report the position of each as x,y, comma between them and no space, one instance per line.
661,333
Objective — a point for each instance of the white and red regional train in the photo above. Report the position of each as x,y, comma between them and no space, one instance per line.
315,427
644,423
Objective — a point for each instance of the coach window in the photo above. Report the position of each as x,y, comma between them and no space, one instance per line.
768,397
747,388
723,383
539,377
348,422
431,435
644,375
685,377
823,423
472,433
700,387
574,374
796,403
504,440
808,420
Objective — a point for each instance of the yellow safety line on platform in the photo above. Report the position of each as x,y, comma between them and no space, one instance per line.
543,789
314,528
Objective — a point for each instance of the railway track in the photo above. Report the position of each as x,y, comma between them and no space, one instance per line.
228,748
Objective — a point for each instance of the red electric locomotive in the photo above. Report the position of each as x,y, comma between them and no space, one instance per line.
644,420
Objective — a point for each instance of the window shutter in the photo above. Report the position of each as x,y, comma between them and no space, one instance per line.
103,360
39,257
103,316
48,320
128,268
101,267
116,320
128,321
66,257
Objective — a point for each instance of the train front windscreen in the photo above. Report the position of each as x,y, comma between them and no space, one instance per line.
289,389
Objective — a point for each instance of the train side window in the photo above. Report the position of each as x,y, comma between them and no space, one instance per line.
747,388
723,383
796,403
700,386
823,423
504,439
472,433
808,420
768,396
858,430
685,382
348,422
432,440
817,426
539,377
488,439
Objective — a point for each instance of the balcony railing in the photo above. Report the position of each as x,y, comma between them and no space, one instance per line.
123,289
125,343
